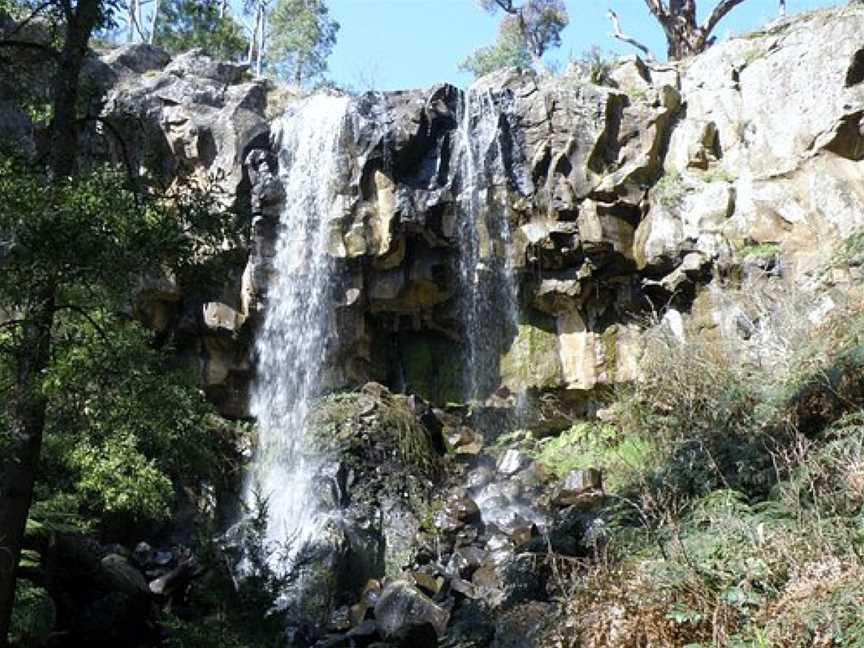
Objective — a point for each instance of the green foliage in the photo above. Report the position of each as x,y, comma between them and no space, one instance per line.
33,616
669,190
717,173
586,445
124,425
593,66
525,33
746,524
760,251
850,253
509,50
301,39
185,24
122,480
122,421
93,236
222,612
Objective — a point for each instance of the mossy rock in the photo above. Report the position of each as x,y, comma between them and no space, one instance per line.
347,422
532,361
431,367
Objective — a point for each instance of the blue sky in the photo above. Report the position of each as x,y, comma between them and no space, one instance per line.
392,44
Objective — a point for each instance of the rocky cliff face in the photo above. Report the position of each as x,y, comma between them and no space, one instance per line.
589,215
649,195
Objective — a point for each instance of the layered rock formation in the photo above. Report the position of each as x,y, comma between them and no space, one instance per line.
621,201
667,198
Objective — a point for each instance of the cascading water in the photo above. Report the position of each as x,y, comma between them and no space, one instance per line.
298,332
489,289
488,281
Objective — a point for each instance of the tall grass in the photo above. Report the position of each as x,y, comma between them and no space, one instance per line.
746,526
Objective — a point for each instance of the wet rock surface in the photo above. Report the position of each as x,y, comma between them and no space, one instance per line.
469,561
618,197
665,189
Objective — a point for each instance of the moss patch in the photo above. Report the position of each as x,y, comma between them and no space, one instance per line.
587,445
669,190
532,359
431,368
760,251
357,423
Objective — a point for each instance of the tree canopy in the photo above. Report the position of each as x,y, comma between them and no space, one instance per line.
525,34
184,24
77,373
302,37
508,50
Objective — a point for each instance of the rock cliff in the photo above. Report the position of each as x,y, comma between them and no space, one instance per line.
672,197
646,196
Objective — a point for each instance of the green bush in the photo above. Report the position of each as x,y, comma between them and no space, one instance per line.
33,616
746,528
585,445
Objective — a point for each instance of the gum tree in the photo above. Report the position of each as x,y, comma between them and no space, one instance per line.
526,33
685,35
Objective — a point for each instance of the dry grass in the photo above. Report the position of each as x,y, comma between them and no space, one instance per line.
747,529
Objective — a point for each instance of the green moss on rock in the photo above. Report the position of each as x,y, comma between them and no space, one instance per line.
349,422
431,367
532,359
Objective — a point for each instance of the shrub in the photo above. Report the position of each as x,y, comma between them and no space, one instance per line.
746,528
33,616
669,190
585,445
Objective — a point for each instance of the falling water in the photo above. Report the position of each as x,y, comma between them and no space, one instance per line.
490,298
490,305
298,332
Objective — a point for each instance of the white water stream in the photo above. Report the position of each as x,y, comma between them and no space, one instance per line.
489,289
298,332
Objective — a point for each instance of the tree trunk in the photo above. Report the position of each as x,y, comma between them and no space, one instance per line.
64,131
261,33
298,71
27,405
18,469
253,37
153,20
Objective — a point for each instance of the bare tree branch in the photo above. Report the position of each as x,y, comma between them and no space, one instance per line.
723,7
620,35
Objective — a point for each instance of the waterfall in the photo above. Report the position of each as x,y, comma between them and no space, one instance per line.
298,332
489,307
488,281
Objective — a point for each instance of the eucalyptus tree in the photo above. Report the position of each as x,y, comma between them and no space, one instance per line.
184,24
72,244
508,50
540,22
33,305
685,35
291,38
302,38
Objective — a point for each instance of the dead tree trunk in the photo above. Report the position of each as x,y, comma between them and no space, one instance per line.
684,35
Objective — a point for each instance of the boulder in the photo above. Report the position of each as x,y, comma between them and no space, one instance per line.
402,612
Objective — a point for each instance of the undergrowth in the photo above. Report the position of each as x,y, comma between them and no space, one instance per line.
742,523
